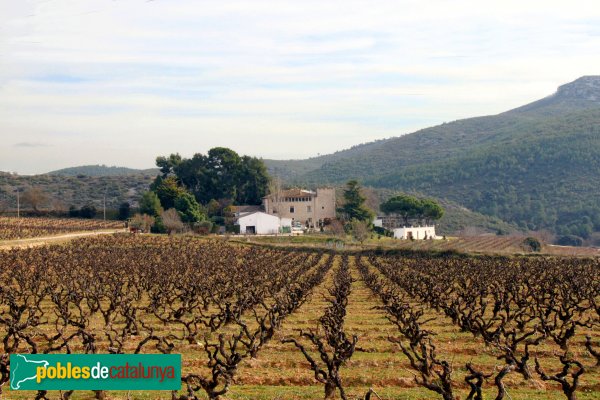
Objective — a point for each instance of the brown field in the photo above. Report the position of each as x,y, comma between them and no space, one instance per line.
12,228
279,371
487,244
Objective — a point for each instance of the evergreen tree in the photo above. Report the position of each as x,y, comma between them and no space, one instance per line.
150,204
354,207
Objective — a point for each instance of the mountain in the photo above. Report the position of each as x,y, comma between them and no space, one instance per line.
64,191
537,166
103,170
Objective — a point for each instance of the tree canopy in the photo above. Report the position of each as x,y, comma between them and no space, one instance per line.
220,174
412,208
354,207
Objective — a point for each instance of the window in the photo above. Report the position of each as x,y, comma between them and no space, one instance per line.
308,208
291,209
274,211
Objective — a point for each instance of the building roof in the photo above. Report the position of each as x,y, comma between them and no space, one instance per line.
295,193
245,209
247,214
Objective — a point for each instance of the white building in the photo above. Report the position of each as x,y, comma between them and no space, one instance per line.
415,232
260,223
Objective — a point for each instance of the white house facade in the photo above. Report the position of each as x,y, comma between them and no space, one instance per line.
415,232
260,223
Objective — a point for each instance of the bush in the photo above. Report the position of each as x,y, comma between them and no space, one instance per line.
570,240
143,222
73,212
159,226
217,220
235,229
203,227
382,231
88,211
124,211
171,221
532,244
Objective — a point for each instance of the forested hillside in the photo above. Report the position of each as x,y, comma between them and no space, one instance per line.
537,165
540,181
103,170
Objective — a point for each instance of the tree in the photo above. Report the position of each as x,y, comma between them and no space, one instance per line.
360,230
150,204
188,208
221,174
253,181
337,228
58,206
213,208
88,211
532,244
411,208
124,211
168,190
224,167
570,240
73,212
403,205
143,222
167,165
172,221
35,198
354,207
431,211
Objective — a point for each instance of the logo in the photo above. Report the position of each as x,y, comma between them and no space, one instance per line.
95,371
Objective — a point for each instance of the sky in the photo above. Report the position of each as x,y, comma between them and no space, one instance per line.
119,82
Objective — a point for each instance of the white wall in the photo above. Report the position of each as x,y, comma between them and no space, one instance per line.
418,232
264,224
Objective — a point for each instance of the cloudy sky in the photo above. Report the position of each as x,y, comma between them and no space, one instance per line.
119,82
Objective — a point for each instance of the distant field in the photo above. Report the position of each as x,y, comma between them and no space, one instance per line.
490,244
150,294
12,228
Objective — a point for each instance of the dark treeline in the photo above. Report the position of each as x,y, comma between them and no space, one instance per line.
220,174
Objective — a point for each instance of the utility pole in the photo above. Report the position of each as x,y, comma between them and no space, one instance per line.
104,204
18,204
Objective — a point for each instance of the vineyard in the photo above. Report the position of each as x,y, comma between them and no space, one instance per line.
18,228
254,322
485,244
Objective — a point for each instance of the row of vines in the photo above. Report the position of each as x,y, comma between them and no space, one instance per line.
135,294
128,294
18,228
512,305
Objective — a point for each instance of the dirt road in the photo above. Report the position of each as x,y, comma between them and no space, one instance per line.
38,241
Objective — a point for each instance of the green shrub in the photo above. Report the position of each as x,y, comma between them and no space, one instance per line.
532,244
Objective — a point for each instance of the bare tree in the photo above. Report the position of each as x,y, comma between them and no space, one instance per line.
35,198
360,230
172,221
59,206
142,222
337,228
275,186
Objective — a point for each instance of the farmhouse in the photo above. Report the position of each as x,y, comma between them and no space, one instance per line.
260,223
306,207
415,232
